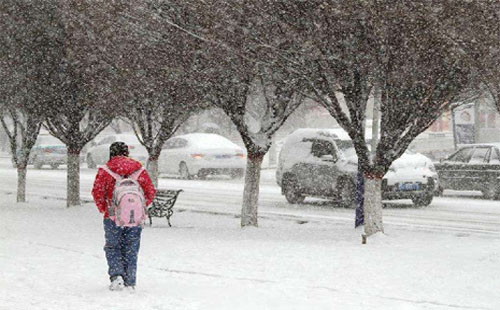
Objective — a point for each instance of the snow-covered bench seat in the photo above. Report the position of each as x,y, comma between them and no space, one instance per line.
162,204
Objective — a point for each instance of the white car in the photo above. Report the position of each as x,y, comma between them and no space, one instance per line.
99,153
407,176
202,154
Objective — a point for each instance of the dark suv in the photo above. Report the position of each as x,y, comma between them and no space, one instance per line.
322,163
472,167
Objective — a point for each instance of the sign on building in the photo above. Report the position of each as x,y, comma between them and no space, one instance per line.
464,124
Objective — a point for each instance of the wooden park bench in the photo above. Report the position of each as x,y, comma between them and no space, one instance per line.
162,204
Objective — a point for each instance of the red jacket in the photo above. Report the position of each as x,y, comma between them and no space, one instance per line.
104,183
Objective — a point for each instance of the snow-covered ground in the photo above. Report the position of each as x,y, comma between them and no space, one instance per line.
52,258
445,256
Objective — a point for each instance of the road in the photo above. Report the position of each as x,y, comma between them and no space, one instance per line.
457,213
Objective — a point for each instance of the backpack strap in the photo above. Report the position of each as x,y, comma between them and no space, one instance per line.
116,176
136,174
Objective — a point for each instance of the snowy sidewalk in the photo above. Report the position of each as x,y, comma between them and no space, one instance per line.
54,255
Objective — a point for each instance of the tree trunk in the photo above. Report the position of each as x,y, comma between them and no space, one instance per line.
373,205
21,183
73,187
152,168
251,191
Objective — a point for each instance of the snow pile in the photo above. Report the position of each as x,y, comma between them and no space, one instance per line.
412,160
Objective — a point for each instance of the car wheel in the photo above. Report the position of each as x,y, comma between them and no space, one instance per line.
347,193
202,175
90,162
184,171
422,200
439,192
292,193
492,191
237,174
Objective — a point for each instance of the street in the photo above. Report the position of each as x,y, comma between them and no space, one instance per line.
458,213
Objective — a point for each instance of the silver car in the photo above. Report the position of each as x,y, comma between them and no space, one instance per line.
202,154
323,163
48,150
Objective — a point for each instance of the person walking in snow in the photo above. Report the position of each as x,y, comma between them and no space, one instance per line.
122,223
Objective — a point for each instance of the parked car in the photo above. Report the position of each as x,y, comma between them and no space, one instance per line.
99,153
48,150
323,163
472,167
202,154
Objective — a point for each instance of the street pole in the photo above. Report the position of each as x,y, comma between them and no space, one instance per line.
454,129
477,127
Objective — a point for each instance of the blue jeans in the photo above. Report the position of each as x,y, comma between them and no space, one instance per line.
122,247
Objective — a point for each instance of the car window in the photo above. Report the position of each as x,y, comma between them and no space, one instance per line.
322,147
480,155
175,143
181,143
495,156
170,144
462,156
344,144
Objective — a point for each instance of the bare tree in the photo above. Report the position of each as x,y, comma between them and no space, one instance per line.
243,79
26,65
343,49
476,35
238,76
159,88
154,123
22,134
85,98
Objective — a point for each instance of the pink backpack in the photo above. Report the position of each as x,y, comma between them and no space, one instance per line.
128,207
